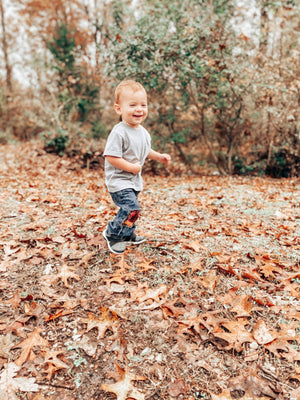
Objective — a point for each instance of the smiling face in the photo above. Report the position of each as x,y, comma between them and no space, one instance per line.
132,106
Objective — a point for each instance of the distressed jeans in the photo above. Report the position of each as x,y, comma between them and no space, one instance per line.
123,225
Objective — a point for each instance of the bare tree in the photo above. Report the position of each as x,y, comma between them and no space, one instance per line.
264,27
8,68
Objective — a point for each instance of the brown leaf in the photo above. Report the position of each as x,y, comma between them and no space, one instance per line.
4,283
253,385
33,309
65,273
10,385
14,301
267,266
146,265
33,339
177,387
194,245
54,363
107,321
59,239
6,343
262,299
241,305
283,349
236,336
168,227
225,395
58,314
153,294
262,334
195,266
290,331
171,310
295,394
35,260
96,240
16,327
123,388
210,280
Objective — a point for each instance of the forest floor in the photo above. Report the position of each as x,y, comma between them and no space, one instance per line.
207,308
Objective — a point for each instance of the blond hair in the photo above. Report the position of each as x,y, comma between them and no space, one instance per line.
127,84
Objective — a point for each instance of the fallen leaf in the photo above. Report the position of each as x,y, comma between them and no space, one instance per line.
53,363
295,394
146,265
33,339
107,321
35,260
153,294
14,301
124,389
241,306
195,266
64,274
58,314
253,385
193,245
224,395
236,336
283,349
89,346
6,343
10,384
210,280
262,334
177,388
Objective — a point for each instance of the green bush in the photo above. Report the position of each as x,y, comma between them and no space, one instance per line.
183,52
98,130
57,142
284,163
77,91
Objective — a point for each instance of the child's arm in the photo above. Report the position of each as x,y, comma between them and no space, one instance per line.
125,165
154,155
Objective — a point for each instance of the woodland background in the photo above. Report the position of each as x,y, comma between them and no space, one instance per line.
209,306
223,78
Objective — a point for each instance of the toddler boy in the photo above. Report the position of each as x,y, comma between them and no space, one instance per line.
128,145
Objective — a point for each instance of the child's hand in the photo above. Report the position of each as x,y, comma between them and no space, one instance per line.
165,158
136,168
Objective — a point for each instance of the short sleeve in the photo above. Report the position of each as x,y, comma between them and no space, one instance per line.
114,144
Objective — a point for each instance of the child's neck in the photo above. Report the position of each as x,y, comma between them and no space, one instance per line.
130,126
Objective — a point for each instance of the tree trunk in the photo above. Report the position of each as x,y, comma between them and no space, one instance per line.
264,28
270,134
4,48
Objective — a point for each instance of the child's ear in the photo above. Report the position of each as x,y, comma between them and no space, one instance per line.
117,109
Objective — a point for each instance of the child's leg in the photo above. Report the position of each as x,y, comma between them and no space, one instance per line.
123,225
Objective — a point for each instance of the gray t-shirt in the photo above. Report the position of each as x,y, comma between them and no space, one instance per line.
132,144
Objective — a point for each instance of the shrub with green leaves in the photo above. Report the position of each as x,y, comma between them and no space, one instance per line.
56,142
77,91
183,52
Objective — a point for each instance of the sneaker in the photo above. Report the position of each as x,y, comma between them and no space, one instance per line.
136,239
115,246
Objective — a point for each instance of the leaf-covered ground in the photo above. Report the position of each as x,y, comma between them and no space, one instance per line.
207,308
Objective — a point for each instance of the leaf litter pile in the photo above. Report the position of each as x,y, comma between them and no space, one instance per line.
207,308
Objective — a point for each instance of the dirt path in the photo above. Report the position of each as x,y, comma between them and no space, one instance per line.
207,308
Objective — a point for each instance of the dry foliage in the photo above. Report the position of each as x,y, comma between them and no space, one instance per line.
207,308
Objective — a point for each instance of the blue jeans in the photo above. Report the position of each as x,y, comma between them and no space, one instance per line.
123,225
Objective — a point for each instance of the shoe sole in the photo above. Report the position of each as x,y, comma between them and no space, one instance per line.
108,245
139,242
